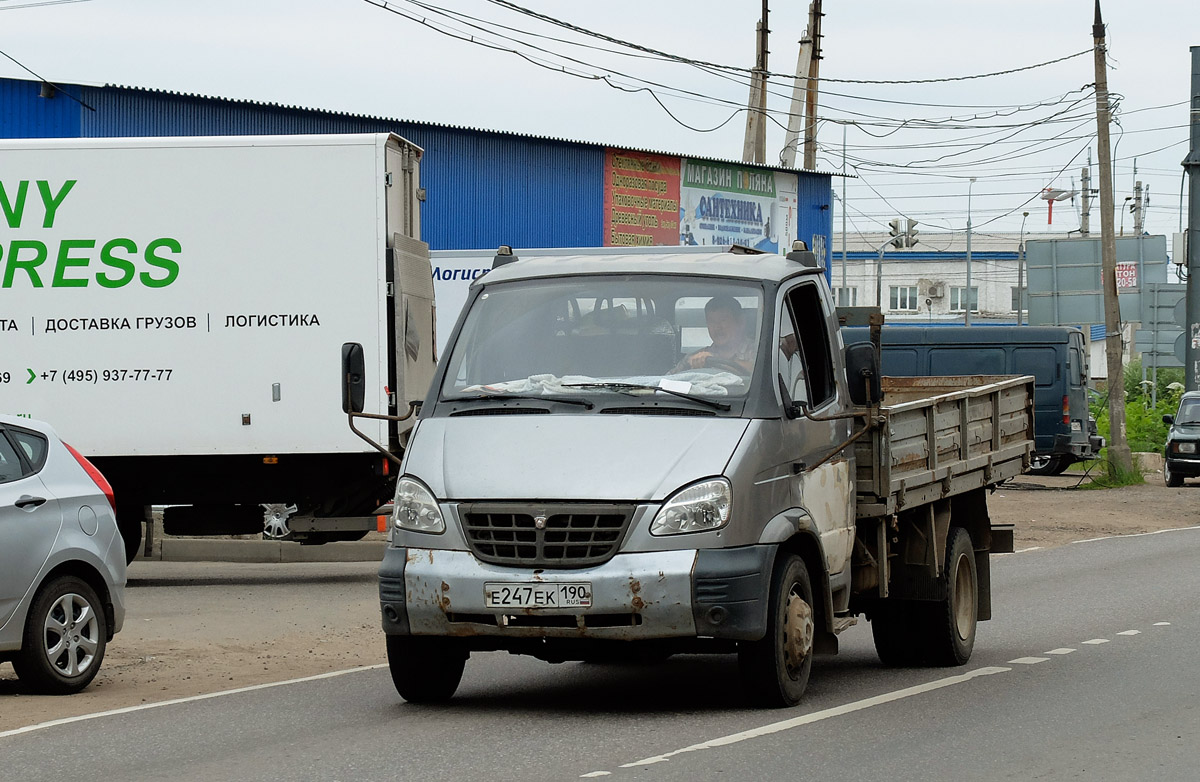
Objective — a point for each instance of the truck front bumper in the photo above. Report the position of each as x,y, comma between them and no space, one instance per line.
707,593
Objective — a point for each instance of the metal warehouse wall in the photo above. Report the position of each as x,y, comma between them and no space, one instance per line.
25,115
483,189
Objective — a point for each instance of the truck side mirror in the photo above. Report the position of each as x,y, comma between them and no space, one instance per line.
1169,419
354,378
862,373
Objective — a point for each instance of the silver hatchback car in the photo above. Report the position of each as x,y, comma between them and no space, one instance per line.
62,561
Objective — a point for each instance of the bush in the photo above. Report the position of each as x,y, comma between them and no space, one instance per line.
1144,428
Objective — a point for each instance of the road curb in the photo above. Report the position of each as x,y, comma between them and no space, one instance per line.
259,551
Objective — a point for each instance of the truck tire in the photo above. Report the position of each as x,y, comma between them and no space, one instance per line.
950,623
775,669
425,670
1172,479
64,639
897,629
129,522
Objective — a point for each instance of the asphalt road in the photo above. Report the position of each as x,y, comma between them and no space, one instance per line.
1087,672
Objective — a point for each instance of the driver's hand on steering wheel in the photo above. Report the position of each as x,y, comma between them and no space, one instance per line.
699,359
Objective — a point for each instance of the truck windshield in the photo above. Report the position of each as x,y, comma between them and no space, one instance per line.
1189,412
579,336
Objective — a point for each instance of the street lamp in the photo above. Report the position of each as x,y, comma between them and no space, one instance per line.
967,308
1021,269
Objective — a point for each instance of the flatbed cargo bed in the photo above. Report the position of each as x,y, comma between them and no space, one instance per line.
942,436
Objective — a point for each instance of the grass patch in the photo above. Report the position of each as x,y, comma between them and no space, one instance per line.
1109,475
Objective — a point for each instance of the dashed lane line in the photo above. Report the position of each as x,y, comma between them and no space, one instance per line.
190,699
1097,641
1061,650
808,719
1028,660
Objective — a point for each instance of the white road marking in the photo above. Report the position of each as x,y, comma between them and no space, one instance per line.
175,701
1162,624
1062,650
1096,641
1136,534
1130,632
596,774
807,719
1018,551
1029,660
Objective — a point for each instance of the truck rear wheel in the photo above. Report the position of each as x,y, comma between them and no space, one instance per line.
775,669
951,623
425,670
897,631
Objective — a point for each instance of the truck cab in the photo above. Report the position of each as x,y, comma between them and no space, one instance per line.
638,455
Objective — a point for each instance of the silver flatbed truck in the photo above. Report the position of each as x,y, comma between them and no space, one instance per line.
639,455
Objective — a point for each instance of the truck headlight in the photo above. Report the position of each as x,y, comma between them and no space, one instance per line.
1185,447
700,507
415,509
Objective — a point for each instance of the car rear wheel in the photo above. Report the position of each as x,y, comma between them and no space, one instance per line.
1041,464
65,637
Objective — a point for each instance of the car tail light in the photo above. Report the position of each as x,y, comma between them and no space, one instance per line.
97,477
1066,411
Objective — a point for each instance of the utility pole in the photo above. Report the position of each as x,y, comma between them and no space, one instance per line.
967,292
1191,164
754,148
791,139
1085,217
1137,208
1120,459
810,97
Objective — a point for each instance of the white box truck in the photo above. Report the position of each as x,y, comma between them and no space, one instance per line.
176,307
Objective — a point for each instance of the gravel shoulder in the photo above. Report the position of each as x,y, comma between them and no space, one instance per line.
201,627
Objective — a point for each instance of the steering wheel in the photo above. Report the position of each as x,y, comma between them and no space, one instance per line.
726,364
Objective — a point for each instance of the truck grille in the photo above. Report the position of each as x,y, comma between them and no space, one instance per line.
570,536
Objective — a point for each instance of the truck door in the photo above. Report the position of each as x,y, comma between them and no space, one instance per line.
804,366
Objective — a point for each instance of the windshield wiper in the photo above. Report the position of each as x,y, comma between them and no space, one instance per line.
629,387
531,397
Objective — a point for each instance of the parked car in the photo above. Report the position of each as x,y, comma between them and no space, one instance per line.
62,560
1183,441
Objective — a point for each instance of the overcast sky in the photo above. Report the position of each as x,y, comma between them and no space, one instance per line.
356,56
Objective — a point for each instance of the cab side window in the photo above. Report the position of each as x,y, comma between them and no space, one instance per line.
805,356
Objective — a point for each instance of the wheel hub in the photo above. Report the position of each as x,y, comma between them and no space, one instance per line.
798,631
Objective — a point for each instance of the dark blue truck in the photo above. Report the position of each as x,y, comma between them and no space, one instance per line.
1054,355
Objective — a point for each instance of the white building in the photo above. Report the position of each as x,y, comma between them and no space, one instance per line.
928,283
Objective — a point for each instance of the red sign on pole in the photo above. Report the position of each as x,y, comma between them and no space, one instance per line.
1127,276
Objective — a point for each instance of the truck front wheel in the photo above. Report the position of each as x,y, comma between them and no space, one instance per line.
952,621
775,669
425,670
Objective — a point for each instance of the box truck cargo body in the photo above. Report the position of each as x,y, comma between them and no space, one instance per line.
176,306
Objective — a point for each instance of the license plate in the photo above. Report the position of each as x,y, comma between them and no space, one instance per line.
537,595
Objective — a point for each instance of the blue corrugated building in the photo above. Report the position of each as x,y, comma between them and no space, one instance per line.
484,188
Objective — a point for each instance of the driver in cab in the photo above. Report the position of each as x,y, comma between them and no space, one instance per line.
732,346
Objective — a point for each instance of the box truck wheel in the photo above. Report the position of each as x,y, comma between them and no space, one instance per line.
950,634
775,669
129,522
425,670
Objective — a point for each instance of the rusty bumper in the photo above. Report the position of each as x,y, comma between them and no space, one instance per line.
711,593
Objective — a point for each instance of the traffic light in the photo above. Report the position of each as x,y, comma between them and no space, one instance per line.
896,232
910,235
